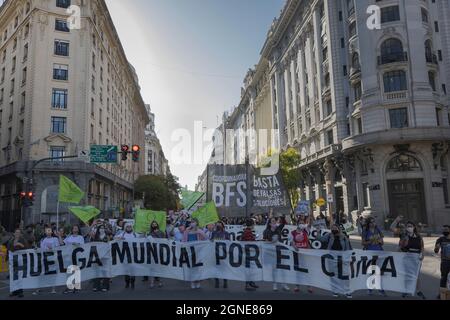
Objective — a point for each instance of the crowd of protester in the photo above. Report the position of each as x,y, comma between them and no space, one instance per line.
182,228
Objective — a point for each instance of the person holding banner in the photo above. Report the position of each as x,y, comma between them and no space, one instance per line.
155,233
249,236
17,243
300,241
101,232
274,227
75,238
412,241
194,233
220,234
49,243
372,240
443,245
127,234
179,232
336,241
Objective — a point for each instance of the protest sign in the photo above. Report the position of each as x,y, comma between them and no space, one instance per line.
338,271
206,215
144,218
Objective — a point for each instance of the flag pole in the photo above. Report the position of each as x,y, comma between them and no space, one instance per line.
57,216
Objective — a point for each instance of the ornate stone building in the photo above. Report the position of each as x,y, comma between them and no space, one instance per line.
62,90
365,104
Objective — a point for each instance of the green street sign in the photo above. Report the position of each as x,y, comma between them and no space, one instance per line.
104,154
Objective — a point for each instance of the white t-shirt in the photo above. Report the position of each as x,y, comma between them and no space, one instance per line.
126,236
76,240
49,243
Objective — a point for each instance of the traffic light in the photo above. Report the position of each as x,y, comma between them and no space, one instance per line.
124,151
26,198
136,150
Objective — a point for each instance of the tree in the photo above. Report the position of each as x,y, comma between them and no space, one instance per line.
157,192
290,161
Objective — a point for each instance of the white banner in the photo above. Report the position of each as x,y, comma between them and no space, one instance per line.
341,272
313,234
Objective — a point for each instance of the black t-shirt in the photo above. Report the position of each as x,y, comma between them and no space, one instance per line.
444,243
336,245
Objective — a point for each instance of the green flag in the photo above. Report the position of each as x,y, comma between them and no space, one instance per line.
190,198
69,191
85,214
144,218
206,215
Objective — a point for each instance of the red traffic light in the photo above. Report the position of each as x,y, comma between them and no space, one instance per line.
23,194
125,148
30,195
136,148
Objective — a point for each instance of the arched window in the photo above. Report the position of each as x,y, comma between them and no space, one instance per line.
404,163
355,61
392,51
394,81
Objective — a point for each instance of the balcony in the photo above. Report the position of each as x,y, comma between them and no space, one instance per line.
392,58
431,58
395,97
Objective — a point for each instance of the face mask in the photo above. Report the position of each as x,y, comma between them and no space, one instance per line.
410,230
302,226
446,233
129,231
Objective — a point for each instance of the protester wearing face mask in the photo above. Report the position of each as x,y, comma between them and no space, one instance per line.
412,242
336,241
155,233
125,235
274,227
220,234
372,240
443,245
249,236
192,234
300,241
102,234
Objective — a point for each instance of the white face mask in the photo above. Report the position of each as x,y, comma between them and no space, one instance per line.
410,230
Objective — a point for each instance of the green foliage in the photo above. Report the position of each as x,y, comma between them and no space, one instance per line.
290,161
159,193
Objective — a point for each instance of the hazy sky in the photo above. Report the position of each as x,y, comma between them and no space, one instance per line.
191,57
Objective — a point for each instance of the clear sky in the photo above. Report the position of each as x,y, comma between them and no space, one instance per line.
191,57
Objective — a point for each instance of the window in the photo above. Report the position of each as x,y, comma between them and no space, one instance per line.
398,118
4,56
57,152
93,83
25,52
61,25
60,72
22,103
395,81
13,84
392,51
389,14
360,126
63,3
2,93
14,63
436,26
59,99
365,187
61,48
358,91
432,80
24,76
92,107
404,163
21,126
329,108
330,137
92,132
424,13
355,61
58,125
438,117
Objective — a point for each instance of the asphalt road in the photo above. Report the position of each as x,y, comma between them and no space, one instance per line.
178,290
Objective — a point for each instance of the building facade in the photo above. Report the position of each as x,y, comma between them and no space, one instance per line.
364,100
155,160
62,90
